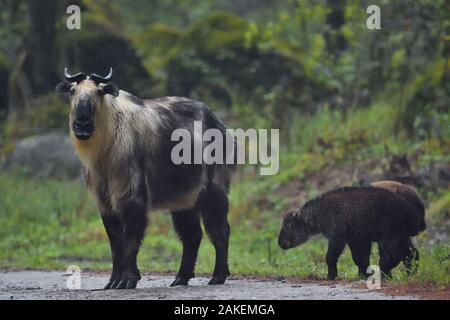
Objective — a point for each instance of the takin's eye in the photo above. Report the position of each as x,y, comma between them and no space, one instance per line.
72,90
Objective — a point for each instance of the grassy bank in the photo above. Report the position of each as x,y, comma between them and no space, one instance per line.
53,224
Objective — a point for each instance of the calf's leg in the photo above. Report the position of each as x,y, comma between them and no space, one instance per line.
361,256
335,248
411,260
187,226
391,254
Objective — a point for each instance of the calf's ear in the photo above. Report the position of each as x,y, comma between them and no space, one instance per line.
108,88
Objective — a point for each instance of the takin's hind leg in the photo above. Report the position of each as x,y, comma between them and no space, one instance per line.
411,260
213,204
187,226
390,256
361,256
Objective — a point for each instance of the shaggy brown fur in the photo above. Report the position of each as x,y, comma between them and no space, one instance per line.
355,216
409,194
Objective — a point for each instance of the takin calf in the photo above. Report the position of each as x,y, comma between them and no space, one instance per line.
389,248
356,216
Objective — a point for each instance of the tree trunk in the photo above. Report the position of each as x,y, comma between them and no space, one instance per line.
40,63
335,19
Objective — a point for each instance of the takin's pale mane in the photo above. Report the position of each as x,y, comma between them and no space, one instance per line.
118,123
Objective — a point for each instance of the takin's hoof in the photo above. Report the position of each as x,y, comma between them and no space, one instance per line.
180,282
109,285
128,282
216,281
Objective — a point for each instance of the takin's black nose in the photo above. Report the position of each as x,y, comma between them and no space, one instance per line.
83,129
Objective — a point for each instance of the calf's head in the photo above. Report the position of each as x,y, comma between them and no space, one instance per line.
86,94
294,231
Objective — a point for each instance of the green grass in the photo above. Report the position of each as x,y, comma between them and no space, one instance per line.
49,224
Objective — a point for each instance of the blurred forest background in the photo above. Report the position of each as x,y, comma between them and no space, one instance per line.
353,105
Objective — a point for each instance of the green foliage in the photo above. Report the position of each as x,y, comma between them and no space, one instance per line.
48,112
157,43
220,30
440,208
271,60
104,14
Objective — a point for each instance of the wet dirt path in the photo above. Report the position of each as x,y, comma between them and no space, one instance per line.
53,285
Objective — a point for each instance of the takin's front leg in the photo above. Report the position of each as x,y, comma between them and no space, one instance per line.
187,226
335,248
133,218
114,230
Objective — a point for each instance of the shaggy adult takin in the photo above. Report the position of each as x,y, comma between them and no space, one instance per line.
125,146
389,249
356,216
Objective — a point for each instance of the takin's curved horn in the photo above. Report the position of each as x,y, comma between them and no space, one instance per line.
99,79
75,78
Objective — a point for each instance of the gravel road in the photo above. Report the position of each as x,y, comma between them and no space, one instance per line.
53,285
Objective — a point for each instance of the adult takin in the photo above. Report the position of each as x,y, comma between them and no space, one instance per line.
125,144
356,216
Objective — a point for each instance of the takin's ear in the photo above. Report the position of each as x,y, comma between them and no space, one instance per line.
108,88
63,89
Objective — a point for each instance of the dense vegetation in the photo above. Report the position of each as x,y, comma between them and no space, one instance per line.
347,101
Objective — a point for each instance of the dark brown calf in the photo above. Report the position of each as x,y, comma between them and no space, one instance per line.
356,216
